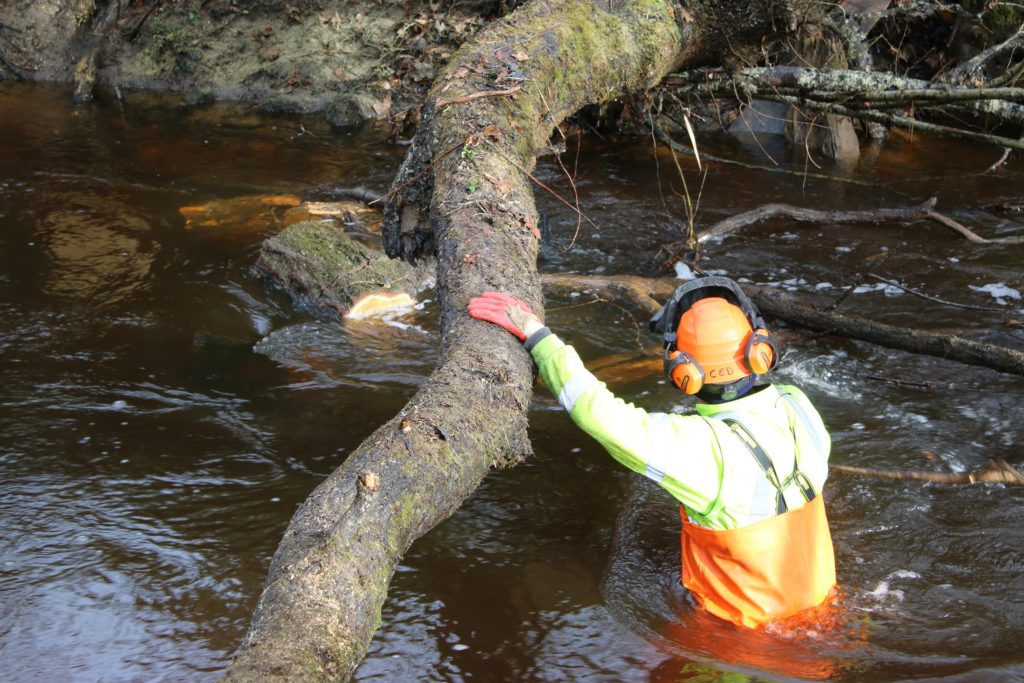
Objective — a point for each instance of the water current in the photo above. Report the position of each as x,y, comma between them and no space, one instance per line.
162,413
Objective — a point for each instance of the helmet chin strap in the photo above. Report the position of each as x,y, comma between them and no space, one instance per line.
720,393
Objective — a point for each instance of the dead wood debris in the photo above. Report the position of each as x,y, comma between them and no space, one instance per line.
769,211
644,293
998,472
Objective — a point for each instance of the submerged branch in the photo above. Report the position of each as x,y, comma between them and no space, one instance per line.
770,211
644,293
998,472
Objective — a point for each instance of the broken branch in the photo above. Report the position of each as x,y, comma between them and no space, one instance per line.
645,293
998,472
769,211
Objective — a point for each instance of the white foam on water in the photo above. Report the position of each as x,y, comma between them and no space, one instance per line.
999,291
405,327
888,290
904,574
883,593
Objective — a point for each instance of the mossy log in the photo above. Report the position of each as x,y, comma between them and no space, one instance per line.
324,270
464,193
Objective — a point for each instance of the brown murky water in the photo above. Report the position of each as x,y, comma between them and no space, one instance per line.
161,415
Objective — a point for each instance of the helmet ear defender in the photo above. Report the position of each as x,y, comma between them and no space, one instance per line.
683,371
760,353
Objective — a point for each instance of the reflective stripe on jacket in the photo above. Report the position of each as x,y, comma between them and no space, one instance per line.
698,458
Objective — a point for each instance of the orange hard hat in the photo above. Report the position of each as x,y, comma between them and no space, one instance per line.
715,333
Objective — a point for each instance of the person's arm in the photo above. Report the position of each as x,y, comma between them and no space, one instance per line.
679,453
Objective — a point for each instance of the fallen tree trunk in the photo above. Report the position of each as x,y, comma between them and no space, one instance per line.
464,191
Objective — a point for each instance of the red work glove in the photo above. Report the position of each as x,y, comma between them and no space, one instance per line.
505,311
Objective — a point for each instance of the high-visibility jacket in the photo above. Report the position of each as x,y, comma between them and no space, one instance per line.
731,504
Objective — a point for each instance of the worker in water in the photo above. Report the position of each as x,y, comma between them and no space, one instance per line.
747,469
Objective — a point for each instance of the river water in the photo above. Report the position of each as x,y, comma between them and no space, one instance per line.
153,449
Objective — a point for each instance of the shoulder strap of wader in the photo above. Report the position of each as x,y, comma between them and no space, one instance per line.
765,462
805,420
762,458
797,476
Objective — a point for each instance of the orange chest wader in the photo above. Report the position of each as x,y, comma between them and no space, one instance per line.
768,570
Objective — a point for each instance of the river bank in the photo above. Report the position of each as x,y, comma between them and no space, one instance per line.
352,61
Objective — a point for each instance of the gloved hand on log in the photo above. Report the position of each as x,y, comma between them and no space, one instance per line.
505,311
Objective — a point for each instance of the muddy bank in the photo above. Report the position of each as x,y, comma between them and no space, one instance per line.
352,60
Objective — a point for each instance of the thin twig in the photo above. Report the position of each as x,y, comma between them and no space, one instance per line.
138,27
569,176
928,297
477,95
1000,162
907,383
970,235
545,187
667,140
657,169
419,175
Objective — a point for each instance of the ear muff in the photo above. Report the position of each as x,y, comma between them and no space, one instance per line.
760,353
683,371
